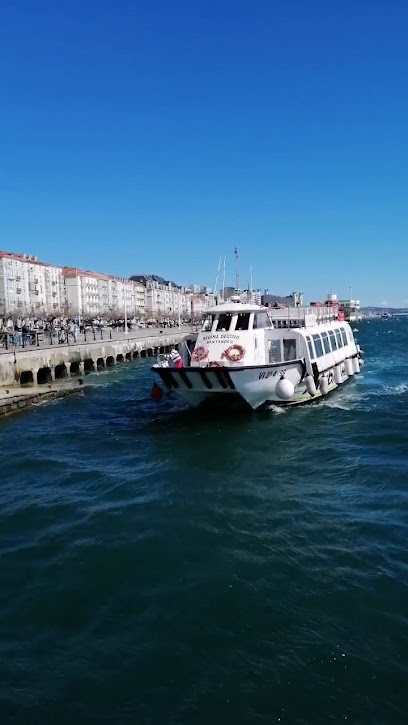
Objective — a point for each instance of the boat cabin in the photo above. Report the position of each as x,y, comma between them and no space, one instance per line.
237,334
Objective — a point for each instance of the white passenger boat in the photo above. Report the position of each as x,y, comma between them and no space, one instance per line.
262,356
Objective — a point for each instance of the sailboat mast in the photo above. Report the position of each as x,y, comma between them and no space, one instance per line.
216,279
236,271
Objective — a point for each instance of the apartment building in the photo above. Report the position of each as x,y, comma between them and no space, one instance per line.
200,304
29,286
253,297
166,300
93,294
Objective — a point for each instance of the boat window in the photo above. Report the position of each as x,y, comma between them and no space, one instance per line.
208,323
242,321
344,336
224,322
261,320
318,345
289,350
333,342
326,343
338,338
274,349
311,348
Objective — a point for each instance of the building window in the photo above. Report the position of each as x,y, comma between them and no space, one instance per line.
289,350
326,343
318,345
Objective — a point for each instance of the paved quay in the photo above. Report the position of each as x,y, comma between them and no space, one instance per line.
47,362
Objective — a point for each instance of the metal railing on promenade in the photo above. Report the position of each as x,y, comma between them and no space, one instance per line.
12,340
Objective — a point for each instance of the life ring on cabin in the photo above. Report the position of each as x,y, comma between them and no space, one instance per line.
234,353
199,354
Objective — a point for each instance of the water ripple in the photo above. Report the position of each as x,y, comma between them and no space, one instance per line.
162,565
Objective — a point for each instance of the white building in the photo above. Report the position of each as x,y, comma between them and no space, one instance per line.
351,309
82,290
200,304
96,294
253,297
126,294
29,287
166,300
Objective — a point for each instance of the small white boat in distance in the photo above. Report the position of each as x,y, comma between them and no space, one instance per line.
260,356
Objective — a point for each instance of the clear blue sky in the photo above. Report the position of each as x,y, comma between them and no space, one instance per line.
153,136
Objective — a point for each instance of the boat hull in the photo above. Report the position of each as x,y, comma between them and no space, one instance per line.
253,386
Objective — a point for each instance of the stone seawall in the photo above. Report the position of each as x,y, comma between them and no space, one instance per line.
16,399
37,366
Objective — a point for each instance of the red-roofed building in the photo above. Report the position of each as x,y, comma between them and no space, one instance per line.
93,293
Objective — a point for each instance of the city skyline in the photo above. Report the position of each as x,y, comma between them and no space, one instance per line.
156,137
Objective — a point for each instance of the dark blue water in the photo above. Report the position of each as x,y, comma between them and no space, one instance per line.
158,565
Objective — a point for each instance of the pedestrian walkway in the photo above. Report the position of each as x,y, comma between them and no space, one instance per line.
17,341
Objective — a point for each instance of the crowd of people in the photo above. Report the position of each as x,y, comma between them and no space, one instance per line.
30,330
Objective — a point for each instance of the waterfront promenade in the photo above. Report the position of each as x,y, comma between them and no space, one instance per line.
48,360
18,341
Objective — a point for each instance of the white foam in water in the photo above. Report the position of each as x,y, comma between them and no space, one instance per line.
276,409
396,389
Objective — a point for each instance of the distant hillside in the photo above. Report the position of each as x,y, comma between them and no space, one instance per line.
271,300
379,310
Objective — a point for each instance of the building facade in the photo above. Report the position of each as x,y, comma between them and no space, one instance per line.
95,294
200,304
29,286
166,300
253,297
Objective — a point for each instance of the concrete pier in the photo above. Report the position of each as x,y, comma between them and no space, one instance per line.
46,364
15,399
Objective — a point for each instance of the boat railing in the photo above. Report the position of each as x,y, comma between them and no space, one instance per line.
306,316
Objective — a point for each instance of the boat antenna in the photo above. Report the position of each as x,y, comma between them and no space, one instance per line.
216,279
250,275
223,279
236,271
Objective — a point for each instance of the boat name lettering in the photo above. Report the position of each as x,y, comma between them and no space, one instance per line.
270,373
220,338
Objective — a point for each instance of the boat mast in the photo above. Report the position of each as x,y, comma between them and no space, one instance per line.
216,279
236,271
223,279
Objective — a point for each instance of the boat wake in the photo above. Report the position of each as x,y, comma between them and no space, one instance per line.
398,389
276,409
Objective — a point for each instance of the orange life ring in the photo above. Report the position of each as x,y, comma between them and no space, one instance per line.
234,353
199,354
